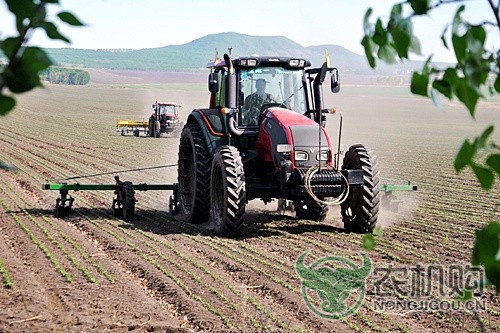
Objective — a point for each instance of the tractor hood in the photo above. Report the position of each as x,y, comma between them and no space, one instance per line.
283,126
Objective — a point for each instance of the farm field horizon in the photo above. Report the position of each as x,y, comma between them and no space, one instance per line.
90,271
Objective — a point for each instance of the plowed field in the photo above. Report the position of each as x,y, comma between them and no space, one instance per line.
91,272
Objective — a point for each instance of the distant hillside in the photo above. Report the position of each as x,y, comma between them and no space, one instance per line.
196,54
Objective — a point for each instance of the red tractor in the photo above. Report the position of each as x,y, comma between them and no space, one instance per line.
165,119
263,136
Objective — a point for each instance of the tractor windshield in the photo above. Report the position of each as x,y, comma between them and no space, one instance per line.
270,85
167,109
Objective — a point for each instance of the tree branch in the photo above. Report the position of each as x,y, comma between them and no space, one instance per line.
496,12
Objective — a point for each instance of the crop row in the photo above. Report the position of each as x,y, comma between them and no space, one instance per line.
41,222
6,279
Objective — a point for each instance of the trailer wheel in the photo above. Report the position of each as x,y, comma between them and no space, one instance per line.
136,132
309,209
128,202
193,174
227,192
360,209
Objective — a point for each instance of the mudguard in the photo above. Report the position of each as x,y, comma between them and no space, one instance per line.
213,128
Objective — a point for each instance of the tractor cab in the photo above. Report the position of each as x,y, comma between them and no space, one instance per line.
167,115
253,84
166,112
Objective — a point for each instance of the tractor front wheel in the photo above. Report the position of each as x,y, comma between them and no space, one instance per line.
193,174
360,209
308,209
228,194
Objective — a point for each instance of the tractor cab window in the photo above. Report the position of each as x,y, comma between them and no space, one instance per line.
167,109
166,112
264,86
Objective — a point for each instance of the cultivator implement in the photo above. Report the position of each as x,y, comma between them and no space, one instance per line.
389,199
124,201
123,204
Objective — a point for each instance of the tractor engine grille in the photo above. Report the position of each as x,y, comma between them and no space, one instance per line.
324,183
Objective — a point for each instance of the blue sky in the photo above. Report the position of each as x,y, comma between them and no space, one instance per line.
133,24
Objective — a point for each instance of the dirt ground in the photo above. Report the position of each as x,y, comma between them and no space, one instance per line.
91,272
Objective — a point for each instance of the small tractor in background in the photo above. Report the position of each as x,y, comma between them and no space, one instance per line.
167,117
273,148
164,119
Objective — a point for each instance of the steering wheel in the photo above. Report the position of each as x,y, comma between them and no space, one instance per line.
270,105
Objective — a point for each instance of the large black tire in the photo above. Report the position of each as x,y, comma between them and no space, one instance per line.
227,192
360,209
308,209
153,128
193,174
128,202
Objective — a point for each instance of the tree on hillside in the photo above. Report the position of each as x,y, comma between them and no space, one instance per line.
70,76
477,69
20,73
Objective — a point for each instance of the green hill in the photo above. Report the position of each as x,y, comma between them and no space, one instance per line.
197,53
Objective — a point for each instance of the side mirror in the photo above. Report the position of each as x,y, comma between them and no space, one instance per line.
213,82
335,83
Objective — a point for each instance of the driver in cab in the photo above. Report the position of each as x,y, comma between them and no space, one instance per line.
254,102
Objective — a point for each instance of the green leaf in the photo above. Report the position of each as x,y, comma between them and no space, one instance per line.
7,103
477,37
22,8
481,140
467,95
368,242
397,12
464,155
52,32
451,76
380,35
387,54
459,47
443,37
10,45
22,75
367,44
443,87
457,20
420,7
367,26
415,45
473,71
486,250
435,98
484,175
69,18
493,161
402,37
419,84
496,85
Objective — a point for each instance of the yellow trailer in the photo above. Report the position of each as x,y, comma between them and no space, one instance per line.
132,126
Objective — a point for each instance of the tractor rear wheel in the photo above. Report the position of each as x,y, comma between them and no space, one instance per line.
193,174
360,209
228,193
308,209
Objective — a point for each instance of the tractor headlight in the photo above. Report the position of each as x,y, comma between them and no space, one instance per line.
323,155
248,62
301,156
297,63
